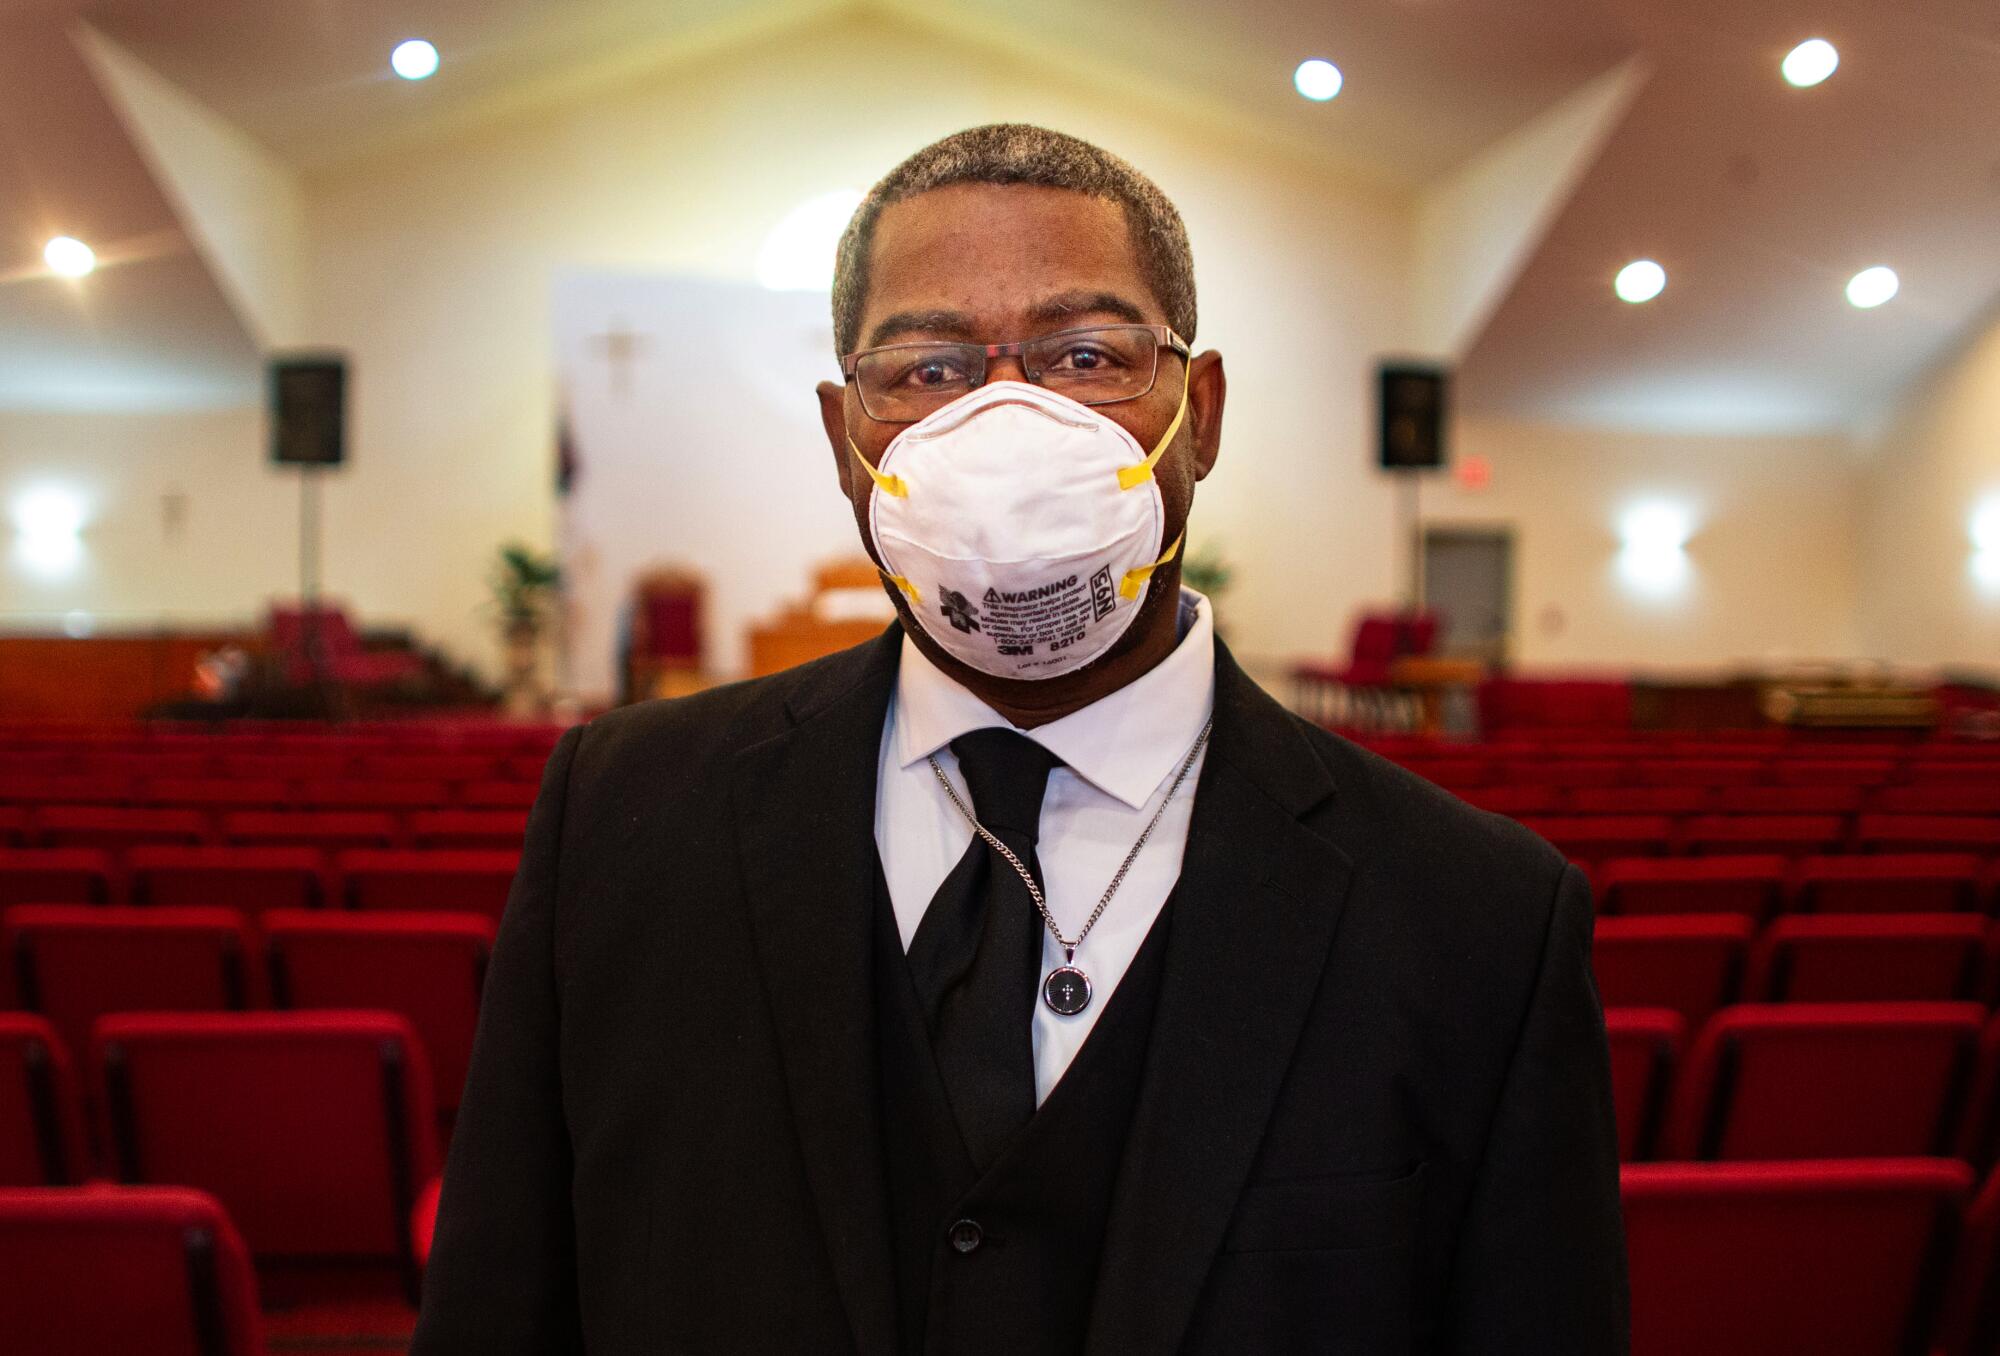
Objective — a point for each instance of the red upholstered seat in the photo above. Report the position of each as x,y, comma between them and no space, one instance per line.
1691,963
235,793
1698,772
74,963
313,828
1750,884
1929,833
114,827
447,880
1566,772
423,1220
1645,1049
1597,838
430,767
1640,800
57,876
498,795
1858,958
1513,800
41,1129
1971,1324
1888,882
314,1129
1833,1258
1788,835
238,876
1826,1080
374,793
1833,771
1789,800
120,1271
429,967
1928,798
13,825
502,829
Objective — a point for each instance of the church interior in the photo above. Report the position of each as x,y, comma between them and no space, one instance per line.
385,388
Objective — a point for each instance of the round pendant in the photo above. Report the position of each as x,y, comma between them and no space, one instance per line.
1066,990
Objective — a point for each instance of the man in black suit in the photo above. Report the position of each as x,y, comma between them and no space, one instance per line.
790,1041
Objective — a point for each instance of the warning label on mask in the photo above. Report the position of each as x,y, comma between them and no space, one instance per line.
1043,620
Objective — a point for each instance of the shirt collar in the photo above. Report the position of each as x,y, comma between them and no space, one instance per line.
1125,744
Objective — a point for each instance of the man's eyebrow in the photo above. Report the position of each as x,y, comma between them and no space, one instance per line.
1067,305
949,324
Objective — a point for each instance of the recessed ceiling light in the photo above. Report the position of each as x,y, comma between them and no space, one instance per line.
1640,280
1809,63
414,60
1872,286
1317,79
71,258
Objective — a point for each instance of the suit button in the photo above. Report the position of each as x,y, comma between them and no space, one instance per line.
966,1235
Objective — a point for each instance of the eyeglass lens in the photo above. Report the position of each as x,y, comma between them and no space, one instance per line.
1091,366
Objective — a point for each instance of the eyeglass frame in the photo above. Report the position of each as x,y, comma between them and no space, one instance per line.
1163,337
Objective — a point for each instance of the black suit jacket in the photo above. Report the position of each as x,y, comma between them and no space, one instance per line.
1376,1115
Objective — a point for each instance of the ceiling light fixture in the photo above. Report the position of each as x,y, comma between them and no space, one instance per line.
414,60
1809,63
1872,286
1318,79
1640,280
69,257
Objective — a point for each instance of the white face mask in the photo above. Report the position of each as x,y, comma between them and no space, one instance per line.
1022,526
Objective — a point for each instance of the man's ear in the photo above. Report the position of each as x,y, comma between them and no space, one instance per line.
833,415
1207,389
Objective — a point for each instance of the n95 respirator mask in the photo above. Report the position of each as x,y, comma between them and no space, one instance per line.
1022,526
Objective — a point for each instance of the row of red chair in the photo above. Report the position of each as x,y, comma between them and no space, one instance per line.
73,965
1808,1080
118,827
1812,799
1697,962
257,878
1762,884
85,790
142,765
1466,774
1833,1257
1596,837
315,1130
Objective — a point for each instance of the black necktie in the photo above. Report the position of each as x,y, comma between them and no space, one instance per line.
977,953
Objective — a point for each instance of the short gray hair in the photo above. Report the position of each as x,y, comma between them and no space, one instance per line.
1021,153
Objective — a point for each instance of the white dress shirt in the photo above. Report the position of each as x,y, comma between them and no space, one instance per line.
1119,756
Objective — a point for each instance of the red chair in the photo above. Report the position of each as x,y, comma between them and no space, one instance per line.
1512,800
13,826
1930,799
341,656
1787,835
1698,772
1690,963
509,795
314,1129
504,830
428,967
294,765
1929,833
57,876
1569,773
1834,772
1600,838
231,793
1640,800
1789,800
1751,884
423,1220
1887,882
1827,1080
1454,774
1971,1325
1835,1258
41,1132
93,1271
66,788
249,878
311,828
114,827
74,963
428,767
1861,958
1645,1048
374,794
444,881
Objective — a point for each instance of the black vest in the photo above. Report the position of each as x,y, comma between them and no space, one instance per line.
1004,1262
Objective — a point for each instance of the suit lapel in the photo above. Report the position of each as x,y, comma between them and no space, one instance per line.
1254,915
804,802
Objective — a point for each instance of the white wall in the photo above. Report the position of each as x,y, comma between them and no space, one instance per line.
1770,560
433,268
183,519
1924,596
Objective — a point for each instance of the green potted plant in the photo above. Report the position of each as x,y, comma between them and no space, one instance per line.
523,585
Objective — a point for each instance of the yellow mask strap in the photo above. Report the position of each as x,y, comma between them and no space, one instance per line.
909,589
1134,580
1130,477
888,484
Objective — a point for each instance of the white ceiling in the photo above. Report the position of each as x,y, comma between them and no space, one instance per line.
1760,200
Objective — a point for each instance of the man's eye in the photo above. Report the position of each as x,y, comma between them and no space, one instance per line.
932,372
1085,358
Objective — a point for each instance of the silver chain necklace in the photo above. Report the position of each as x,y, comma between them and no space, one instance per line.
1066,989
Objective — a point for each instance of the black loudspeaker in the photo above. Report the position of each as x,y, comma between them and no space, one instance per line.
1413,413
308,399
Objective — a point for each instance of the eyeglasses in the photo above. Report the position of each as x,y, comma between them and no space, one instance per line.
1099,365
